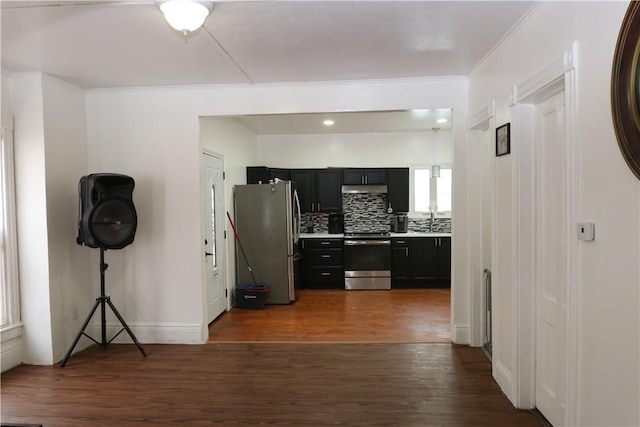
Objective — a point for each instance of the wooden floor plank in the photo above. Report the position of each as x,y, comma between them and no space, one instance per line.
399,315
399,369
246,384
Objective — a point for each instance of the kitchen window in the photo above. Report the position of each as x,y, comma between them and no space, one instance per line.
428,193
9,309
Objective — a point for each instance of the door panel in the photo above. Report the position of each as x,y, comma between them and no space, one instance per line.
551,255
214,242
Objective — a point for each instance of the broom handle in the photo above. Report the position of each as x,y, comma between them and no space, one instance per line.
235,233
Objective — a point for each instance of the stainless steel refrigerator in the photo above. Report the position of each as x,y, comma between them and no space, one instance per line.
267,219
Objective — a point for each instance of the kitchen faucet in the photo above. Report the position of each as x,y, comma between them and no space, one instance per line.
431,217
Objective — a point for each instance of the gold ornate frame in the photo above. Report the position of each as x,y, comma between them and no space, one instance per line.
625,88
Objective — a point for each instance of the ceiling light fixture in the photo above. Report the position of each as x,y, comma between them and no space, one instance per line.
435,169
328,122
443,120
185,15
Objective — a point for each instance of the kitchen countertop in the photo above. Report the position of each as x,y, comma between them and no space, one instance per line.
325,235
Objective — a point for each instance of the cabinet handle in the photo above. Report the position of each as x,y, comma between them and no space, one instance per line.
400,241
366,179
325,274
313,205
406,251
325,256
325,243
318,206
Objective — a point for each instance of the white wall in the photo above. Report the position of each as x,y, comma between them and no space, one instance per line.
71,290
609,278
31,205
390,149
50,156
153,135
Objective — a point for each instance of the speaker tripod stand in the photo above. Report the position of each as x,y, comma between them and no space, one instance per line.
102,301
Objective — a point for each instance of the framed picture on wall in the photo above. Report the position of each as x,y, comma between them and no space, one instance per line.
503,140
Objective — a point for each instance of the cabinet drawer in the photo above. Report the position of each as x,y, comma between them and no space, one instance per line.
326,257
326,275
322,243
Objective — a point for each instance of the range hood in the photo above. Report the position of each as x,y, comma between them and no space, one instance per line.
364,189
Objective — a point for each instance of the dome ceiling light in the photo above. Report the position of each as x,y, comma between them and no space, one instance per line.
185,15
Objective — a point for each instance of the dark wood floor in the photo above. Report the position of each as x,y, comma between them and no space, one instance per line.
303,383
247,384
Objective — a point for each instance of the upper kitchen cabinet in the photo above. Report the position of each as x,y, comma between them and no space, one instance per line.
364,176
398,189
305,183
257,174
329,196
318,189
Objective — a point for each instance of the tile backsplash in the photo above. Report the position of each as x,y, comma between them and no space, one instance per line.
368,212
365,212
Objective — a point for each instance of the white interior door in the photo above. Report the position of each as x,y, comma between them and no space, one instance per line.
551,259
213,240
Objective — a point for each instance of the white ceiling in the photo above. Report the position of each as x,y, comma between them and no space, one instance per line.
103,43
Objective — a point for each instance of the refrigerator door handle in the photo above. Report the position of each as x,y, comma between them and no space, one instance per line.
299,215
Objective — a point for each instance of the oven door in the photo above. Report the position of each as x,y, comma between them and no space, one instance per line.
367,263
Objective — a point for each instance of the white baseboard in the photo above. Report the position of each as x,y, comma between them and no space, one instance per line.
504,379
154,333
460,334
11,354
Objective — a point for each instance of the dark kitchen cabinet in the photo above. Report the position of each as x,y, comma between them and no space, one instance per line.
328,194
305,182
400,260
323,263
257,174
318,189
421,262
364,176
398,189
424,259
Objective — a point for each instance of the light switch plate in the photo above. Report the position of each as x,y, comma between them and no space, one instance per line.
587,231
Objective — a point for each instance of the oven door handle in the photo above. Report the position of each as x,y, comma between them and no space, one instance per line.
367,242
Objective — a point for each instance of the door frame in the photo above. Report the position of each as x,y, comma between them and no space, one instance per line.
203,225
480,124
558,76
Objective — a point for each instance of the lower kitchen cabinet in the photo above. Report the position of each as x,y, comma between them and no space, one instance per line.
421,262
323,264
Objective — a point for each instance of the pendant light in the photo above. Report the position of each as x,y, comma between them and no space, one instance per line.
185,15
435,169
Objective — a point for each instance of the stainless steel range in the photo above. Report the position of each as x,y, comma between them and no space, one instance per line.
367,260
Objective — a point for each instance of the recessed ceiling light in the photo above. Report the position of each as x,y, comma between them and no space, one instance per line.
442,120
328,122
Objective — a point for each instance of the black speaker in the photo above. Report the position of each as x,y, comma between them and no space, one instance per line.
107,217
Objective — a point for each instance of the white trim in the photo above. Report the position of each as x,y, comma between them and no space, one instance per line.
10,332
543,82
11,354
482,122
460,334
523,299
13,289
275,85
503,377
154,333
557,76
